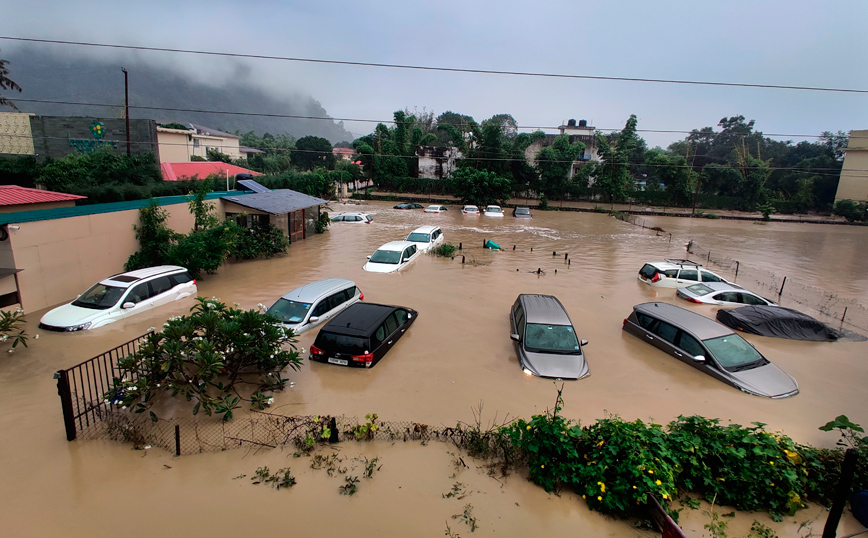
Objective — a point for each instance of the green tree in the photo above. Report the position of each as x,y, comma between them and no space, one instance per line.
851,210
154,236
7,84
480,187
554,163
612,174
313,151
673,172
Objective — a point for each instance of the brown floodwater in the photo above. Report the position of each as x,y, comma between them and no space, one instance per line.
457,356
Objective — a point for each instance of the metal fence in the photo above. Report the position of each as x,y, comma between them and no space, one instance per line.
83,390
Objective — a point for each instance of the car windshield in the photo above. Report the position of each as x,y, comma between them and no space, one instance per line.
341,343
522,211
550,338
289,311
386,256
419,237
493,209
733,352
700,289
100,297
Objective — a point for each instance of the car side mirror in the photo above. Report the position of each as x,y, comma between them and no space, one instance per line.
128,305
313,319
369,257
515,337
584,342
699,358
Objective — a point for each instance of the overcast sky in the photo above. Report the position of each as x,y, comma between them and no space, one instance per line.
794,43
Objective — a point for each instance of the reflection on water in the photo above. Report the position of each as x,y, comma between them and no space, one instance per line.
455,356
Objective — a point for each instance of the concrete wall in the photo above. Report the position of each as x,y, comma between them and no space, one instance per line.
853,184
58,136
15,136
436,162
176,145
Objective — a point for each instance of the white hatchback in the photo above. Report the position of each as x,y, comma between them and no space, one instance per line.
493,211
436,209
470,210
426,237
356,218
392,257
121,296
306,307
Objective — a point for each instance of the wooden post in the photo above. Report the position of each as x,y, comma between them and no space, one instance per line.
177,440
784,283
848,468
66,403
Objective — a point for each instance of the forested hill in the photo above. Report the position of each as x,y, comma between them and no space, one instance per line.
50,77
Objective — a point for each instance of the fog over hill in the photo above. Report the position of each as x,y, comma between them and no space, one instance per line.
99,80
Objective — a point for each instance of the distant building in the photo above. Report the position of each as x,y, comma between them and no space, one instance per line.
180,145
14,198
343,154
437,162
201,170
853,184
581,132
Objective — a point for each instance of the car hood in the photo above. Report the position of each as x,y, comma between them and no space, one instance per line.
767,380
380,267
557,366
69,315
422,246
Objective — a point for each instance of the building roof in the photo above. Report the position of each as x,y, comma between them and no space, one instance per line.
276,202
15,195
247,149
208,131
200,169
343,151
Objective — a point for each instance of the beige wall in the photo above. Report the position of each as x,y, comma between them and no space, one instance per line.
229,146
61,258
15,135
175,145
853,184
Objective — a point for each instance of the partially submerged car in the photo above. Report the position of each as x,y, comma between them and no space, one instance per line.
546,339
362,334
722,293
675,273
709,347
392,257
521,213
426,237
493,211
120,296
408,206
358,218
470,210
778,322
436,209
306,307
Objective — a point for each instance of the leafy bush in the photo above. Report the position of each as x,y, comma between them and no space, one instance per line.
258,241
446,250
850,210
12,326
204,358
322,222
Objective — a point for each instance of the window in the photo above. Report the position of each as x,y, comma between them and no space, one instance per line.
379,336
519,319
160,285
138,294
710,277
99,297
733,352
337,299
182,278
342,343
752,299
690,345
391,324
671,273
401,316
728,296
646,322
321,308
289,311
689,274
386,256
551,338
419,237
648,271
666,332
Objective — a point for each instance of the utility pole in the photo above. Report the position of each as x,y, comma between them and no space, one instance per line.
127,106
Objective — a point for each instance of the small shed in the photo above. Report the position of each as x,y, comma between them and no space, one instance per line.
292,212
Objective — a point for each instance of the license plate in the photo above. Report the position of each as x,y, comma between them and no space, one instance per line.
342,362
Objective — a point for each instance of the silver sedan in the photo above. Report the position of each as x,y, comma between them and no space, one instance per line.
722,293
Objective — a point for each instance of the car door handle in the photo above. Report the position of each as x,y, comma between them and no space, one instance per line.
649,337
677,354
390,342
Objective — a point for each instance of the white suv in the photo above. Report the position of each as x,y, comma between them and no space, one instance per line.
120,296
426,237
674,273
392,257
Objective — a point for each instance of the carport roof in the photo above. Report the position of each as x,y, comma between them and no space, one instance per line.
276,202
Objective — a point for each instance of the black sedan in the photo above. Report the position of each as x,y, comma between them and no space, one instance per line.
408,206
361,334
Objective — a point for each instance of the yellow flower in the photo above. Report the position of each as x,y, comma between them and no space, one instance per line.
542,466
771,463
650,471
601,443
603,488
634,487
528,426
584,496
772,484
599,498
659,482
665,496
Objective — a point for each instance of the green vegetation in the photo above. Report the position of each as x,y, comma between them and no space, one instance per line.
206,358
282,478
12,326
445,250
7,84
852,211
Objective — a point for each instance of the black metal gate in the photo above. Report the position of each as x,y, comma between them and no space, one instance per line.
83,388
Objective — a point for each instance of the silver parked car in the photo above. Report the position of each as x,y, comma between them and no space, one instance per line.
722,293
311,304
546,339
710,347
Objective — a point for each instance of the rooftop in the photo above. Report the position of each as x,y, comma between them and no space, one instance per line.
15,195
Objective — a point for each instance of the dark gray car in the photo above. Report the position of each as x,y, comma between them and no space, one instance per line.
710,347
546,339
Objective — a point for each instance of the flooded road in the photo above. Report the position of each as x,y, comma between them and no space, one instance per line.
455,356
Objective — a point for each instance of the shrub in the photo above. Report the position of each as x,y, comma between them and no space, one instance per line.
12,326
850,210
446,250
248,244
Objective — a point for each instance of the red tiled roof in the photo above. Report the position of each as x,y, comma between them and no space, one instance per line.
15,195
180,171
343,151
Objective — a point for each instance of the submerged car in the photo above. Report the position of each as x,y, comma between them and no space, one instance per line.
521,213
722,293
408,206
426,237
546,339
674,273
306,307
436,209
778,322
358,218
392,257
709,347
470,210
120,296
362,334
493,211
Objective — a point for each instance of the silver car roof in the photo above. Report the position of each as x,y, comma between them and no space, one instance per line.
699,326
721,286
544,309
313,291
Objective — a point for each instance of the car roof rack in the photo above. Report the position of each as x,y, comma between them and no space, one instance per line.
678,261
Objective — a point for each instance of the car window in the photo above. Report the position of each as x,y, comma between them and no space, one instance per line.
138,294
341,343
99,297
728,296
542,337
321,308
709,277
160,285
419,237
289,311
671,273
690,344
732,351
182,278
700,289
646,322
666,331
747,298
379,336
519,319
337,299
401,316
391,323
689,274
648,271
386,256
337,219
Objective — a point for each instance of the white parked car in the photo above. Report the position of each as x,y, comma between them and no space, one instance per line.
358,218
436,209
121,296
672,273
470,210
493,211
306,307
722,293
426,237
392,257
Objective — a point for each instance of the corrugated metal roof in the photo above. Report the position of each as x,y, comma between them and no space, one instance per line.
208,131
276,202
251,185
181,171
15,195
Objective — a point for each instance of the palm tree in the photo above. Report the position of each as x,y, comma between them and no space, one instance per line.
6,84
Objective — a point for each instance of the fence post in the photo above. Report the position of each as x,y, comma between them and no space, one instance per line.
784,283
177,439
708,259
844,315
736,271
66,403
841,493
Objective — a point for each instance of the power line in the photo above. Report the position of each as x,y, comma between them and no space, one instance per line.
433,68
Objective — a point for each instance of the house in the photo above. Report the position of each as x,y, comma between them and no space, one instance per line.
581,132
294,213
202,169
14,198
343,154
853,184
180,145
436,162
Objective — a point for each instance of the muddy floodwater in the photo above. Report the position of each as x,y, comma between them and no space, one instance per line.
456,356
